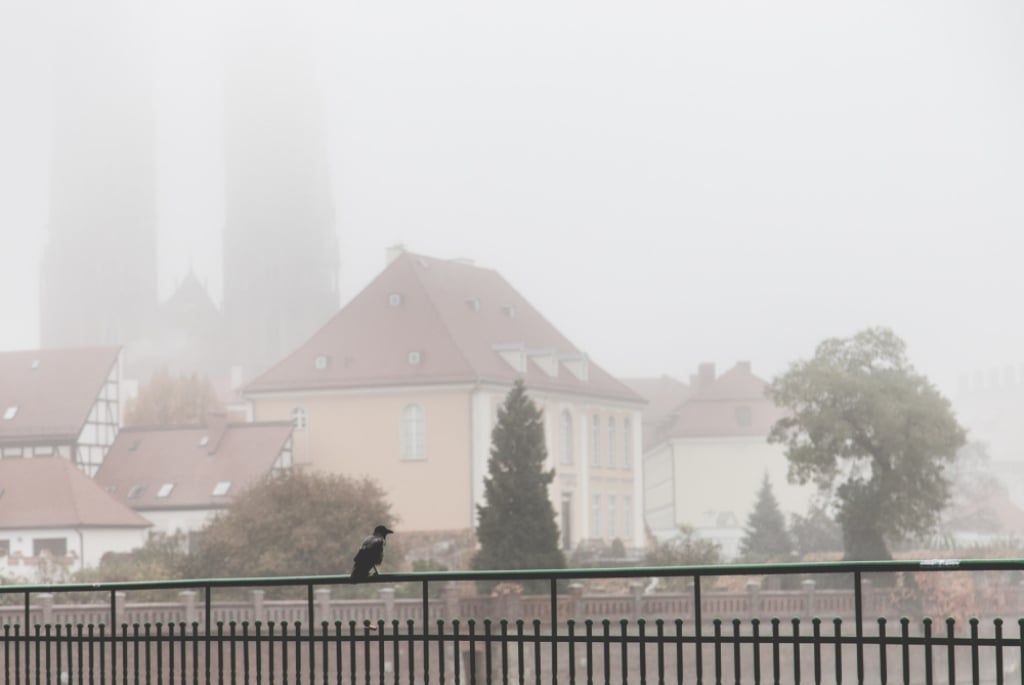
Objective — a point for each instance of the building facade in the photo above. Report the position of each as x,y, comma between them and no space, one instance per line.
62,403
404,383
55,520
707,468
179,478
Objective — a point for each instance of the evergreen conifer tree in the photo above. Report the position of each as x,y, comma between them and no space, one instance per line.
516,523
765,537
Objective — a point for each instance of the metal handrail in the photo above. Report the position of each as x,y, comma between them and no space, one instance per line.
825,567
318,642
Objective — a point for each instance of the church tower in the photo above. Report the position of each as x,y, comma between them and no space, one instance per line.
99,271
280,242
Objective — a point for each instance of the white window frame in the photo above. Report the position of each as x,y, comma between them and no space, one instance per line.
300,419
595,440
566,437
627,443
413,433
611,441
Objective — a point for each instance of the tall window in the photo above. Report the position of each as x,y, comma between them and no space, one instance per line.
627,514
299,420
611,441
612,528
414,425
595,516
566,433
595,441
627,443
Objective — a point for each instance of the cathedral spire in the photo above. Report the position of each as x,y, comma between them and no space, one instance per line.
280,242
99,276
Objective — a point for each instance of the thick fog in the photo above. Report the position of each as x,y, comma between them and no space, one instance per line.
668,182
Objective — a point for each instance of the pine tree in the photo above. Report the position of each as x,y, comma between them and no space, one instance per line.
516,523
765,537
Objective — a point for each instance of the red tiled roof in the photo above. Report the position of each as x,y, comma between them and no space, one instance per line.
715,409
52,493
53,390
456,316
238,453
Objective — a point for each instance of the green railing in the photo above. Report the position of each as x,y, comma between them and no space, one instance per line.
872,622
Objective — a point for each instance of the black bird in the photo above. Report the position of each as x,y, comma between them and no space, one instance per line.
370,554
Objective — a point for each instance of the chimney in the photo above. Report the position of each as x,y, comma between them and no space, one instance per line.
704,377
394,252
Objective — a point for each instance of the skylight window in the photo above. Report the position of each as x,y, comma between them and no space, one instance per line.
204,441
10,412
136,491
221,488
35,364
165,490
321,361
395,299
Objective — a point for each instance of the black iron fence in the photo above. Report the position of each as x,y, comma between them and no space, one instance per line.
940,621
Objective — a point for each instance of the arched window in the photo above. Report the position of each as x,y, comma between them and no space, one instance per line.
299,420
595,441
414,428
611,441
566,433
627,443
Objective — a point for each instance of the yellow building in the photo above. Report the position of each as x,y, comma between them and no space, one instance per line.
404,383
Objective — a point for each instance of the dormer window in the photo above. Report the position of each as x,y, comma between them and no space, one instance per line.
415,358
395,299
10,412
320,362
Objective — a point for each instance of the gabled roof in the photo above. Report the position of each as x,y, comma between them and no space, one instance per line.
190,305
52,493
193,460
434,321
663,394
53,391
731,405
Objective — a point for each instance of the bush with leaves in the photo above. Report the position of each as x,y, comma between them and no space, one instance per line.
172,400
685,549
295,523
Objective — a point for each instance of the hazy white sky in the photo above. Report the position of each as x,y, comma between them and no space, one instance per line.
668,181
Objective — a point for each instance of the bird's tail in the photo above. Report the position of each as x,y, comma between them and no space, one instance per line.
359,572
